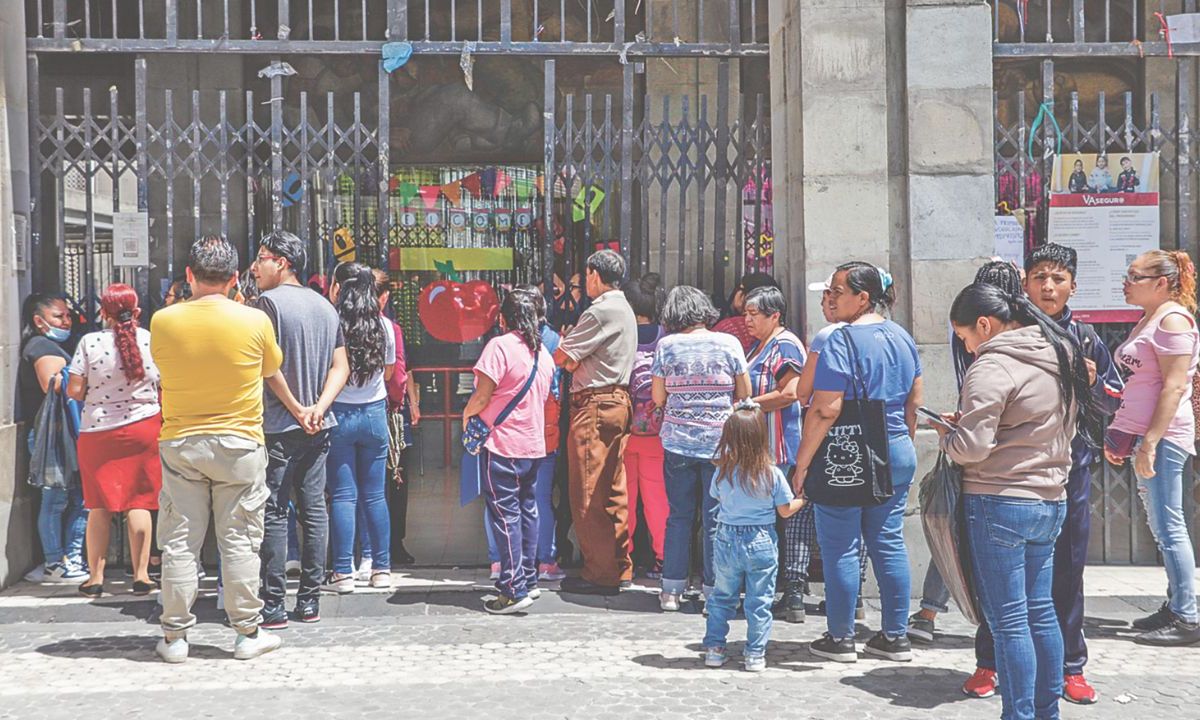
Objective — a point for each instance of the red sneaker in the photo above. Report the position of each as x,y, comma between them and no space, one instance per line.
1077,690
980,685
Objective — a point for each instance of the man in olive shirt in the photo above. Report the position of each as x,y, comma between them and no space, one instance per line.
599,352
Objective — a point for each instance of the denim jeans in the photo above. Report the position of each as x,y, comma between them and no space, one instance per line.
840,530
543,491
358,453
362,533
1014,539
688,480
744,557
296,469
62,524
293,550
1162,496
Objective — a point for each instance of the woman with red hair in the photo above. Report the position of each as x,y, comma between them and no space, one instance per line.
114,377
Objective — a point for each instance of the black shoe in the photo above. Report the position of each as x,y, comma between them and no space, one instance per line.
401,556
308,611
91,591
144,588
579,586
896,649
790,607
155,572
920,629
625,585
504,605
1160,618
1177,634
274,617
827,647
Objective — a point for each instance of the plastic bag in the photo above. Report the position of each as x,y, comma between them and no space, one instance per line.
54,462
941,517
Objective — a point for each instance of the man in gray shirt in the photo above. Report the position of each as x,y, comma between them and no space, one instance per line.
599,351
296,419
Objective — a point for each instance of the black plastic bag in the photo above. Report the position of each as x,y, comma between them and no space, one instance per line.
54,462
942,519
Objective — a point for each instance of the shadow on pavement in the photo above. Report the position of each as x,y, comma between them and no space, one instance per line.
125,647
911,687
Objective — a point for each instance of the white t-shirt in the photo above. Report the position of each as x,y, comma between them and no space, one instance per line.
112,401
374,389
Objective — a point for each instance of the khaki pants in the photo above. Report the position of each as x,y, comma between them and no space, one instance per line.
223,476
596,442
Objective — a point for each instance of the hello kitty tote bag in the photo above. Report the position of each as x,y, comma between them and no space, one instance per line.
851,467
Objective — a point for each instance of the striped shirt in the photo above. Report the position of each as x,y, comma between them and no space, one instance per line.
783,353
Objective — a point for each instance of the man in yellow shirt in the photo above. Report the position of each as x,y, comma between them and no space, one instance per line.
213,354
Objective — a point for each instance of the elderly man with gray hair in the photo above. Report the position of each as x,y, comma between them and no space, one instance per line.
599,352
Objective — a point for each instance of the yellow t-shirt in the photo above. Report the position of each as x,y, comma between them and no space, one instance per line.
213,354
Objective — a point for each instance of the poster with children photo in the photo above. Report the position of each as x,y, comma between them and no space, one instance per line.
1113,172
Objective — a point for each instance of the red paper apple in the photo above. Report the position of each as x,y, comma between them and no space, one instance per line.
458,312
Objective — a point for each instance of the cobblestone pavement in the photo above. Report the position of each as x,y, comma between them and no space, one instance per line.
427,650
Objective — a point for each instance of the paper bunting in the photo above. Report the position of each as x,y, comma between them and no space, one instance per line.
481,220
408,218
408,191
471,183
503,220
524,188
583,207
393,183
433,219
453,192
502,182
429,195
487,182
524,218
458,220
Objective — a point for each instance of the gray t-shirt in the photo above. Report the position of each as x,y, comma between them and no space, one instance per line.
374,389
603,342
308,331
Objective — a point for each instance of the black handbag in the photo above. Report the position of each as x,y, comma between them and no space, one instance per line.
851,468
53,462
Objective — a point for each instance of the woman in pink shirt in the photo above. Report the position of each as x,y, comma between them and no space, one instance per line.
1156,424
515,445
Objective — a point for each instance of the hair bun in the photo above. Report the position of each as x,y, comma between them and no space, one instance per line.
747,404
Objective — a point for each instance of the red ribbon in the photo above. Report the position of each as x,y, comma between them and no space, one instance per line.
1166,33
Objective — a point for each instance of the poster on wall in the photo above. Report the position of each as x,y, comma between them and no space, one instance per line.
1010,240
1106,208
131,239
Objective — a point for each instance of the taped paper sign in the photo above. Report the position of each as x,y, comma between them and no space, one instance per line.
434,259
587,202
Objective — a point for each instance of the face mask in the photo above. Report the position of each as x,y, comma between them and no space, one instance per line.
58,335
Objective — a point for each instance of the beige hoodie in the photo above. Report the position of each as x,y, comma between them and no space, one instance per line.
1014,436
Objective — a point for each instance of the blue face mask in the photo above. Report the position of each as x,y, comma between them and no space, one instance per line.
58,335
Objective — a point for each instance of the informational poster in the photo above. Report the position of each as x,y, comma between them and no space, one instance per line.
1010,240
131,239
20,242
1106,208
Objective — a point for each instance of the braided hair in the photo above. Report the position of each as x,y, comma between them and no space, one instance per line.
120,305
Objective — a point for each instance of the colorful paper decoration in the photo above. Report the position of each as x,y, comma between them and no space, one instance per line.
480,220
408,191
503,220
524,188
408,218
458,312
441,259
453,192
471,183
502,181
429,195
540,183
393,183
343,245
523,218
583,208
458,220
433,219
487,182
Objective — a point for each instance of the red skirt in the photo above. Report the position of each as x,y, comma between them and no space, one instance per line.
120,469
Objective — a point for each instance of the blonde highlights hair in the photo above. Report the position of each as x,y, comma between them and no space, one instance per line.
1177,267
745,450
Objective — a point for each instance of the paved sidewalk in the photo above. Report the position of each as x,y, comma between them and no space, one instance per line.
426,649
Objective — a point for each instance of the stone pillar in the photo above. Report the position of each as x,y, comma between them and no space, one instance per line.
18,534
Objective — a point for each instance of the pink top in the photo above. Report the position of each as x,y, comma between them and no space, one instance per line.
1137,360
508,362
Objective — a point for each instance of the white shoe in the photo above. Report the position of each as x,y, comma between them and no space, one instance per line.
338,583
362,575
535,594
220,596
248,648
59,574
36,575
292,568
669,602
174,651
381,579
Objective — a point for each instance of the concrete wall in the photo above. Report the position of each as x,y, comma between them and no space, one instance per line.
882,151
18,535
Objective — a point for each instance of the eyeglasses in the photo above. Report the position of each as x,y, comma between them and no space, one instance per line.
1133,277
264,258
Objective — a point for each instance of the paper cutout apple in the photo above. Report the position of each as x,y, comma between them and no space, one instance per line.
458,312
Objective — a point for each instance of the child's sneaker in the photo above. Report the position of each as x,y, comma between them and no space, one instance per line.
755,664
714,657
668,601
550,572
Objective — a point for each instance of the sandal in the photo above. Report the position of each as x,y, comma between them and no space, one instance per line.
91,591
144,588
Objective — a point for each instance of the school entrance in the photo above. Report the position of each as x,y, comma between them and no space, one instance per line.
458,145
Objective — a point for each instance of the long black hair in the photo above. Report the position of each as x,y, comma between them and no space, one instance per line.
863,277
750,281
997,273
982,300
358,309
33,306
520,314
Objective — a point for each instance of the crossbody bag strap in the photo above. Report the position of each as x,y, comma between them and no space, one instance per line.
859,377
512,404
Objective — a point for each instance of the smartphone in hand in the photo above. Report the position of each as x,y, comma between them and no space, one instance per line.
935,418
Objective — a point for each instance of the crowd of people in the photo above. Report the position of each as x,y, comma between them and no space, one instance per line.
283,417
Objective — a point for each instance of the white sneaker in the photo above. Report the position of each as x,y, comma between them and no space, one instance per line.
668,601
60,574
535,594
174,651
382,580
248,648
362,575
37,574
220,596
292,568
338,583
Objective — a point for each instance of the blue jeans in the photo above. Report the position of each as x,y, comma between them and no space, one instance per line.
744,556
507,486
543,491
358,453
293,545
1162,496
62,523
1014,539
935,596
361,530
688,480
840,530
